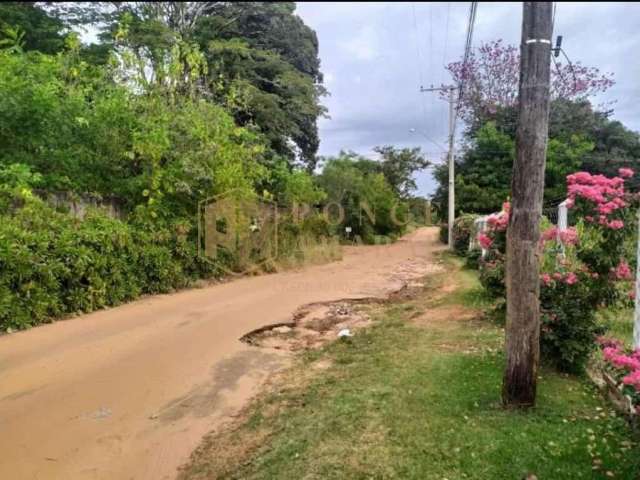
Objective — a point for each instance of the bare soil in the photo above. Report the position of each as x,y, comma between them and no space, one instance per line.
128,393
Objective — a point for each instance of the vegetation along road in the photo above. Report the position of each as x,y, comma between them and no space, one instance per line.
129,392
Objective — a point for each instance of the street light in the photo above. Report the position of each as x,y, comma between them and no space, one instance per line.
413,130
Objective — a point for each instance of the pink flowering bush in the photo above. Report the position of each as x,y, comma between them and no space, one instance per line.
582,268
604,204
485,241
494,239
624,366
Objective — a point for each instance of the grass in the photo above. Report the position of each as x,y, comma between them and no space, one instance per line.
618,322
417,396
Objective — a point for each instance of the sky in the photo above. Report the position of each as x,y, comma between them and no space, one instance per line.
376,55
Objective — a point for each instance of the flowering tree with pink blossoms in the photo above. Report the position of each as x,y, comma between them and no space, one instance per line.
583,267
491,74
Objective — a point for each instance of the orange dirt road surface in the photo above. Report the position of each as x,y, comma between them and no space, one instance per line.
128,393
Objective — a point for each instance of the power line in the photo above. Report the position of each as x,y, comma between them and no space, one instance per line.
467,53
446,37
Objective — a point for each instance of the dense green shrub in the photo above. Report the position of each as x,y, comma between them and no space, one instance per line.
463,228
474,256
585,270
54,265
492,276
568,323
364,199
443,233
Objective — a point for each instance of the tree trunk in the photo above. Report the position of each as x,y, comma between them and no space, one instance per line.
523,233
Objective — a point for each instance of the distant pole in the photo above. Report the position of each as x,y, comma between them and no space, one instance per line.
452,174
452,133
636,316
523,233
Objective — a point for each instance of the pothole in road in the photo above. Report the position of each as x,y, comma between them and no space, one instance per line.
312,326
316,324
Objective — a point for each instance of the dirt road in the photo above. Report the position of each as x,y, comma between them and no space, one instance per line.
128,393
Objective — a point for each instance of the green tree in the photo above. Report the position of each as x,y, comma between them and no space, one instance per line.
42,31
483,172
361,190
398,165
263,60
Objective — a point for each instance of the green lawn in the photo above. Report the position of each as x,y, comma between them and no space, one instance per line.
619,323
420,399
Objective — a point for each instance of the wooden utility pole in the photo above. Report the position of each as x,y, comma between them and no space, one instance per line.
450,157
523,233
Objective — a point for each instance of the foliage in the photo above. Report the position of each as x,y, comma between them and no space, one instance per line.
100,138
261,88
568,325
580,137
584,272
54,265
294,186
483,175
38,29
367,202
463,230
491,73
399,166
443,233
624,366
262,60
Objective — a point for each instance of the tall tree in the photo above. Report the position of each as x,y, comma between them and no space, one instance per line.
523,232
398,165
262,60
42,31
490,77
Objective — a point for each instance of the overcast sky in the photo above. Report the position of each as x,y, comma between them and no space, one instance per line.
375,56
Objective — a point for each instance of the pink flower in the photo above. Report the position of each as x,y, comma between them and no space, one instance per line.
625,172
557,276
485,241
625,361
546,278
569,236
616,224
633,379
622,271
609,353
549,234
571,278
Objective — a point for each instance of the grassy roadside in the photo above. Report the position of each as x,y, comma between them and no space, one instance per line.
417,396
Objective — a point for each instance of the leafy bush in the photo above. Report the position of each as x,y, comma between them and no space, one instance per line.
584,273
55,265
474,256
568,323
463,228
443,233
624,366
368,203
492,276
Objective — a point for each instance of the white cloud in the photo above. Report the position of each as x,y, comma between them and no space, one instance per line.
363,45
329,78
